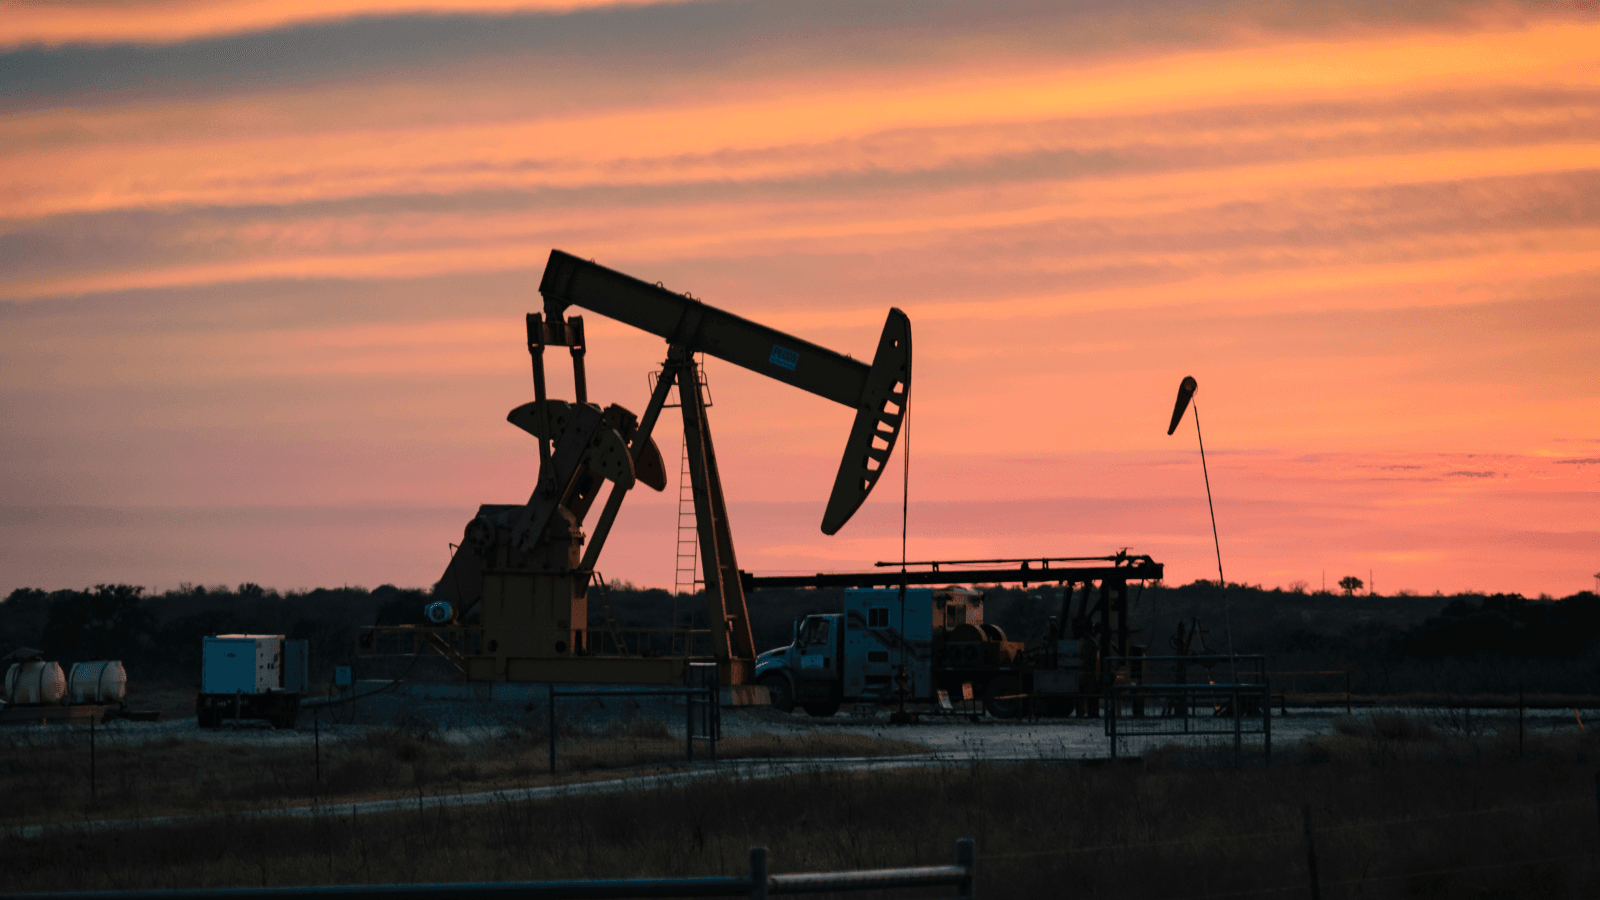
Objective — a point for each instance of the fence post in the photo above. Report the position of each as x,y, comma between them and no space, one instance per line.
966,859
1111,702
1597,792
1519,720
551,690
688,726
316,738
1311,855
1266,719
91,760
714,717
1238,724
758,873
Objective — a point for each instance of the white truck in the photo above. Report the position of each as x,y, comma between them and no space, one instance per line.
937,634
251,676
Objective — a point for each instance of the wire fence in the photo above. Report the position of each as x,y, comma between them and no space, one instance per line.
702,712
1325,856
1305,841
757,884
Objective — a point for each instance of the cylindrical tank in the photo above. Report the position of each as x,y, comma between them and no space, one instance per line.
103,681
35,683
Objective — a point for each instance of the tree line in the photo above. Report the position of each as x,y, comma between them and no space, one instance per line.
1395,643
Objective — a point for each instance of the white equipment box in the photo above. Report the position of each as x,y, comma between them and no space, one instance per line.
251,663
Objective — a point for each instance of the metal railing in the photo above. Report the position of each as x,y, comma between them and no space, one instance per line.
1187,699
690,642
1294,687
757,885
454,642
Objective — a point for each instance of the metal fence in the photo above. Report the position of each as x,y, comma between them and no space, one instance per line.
757,885
1152,696
702,713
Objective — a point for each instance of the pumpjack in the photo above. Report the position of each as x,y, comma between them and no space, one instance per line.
512,604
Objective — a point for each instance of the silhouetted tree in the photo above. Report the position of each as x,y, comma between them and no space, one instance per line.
1351,584
104,624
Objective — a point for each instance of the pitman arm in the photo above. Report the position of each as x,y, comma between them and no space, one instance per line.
878,392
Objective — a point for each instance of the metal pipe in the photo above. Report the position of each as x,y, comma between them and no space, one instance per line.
575,343
1139,571
962,876
536,351
1038,559
869,879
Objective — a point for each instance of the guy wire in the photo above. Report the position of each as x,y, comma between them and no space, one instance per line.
1227,616
905,506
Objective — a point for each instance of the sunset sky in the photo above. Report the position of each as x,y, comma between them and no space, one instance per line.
263,267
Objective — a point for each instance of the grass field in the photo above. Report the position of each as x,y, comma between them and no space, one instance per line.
1399,807
48,780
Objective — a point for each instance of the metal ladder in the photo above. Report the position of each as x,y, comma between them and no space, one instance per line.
686,577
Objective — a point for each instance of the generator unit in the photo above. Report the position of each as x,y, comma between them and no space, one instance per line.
251,676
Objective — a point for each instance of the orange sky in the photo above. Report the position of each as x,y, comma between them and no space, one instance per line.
263,266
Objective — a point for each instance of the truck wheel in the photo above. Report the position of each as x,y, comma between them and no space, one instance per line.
1000,687
778,689
822,710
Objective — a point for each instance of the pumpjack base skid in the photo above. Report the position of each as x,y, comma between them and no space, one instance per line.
464,648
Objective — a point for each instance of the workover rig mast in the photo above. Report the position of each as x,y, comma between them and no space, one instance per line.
512,605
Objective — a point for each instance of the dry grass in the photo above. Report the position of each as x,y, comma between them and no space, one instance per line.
1389,800
48,780
1115,831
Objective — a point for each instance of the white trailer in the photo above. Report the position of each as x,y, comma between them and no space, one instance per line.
251,676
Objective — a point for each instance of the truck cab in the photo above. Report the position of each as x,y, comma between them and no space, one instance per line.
807,671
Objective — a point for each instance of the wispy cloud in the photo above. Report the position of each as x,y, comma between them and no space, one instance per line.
249,246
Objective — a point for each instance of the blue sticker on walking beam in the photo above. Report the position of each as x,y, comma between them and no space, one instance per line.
783,356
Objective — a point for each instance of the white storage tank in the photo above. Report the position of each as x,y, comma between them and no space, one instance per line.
103,681
35,683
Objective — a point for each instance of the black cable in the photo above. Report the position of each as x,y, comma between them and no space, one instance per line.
1222,583
905,506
